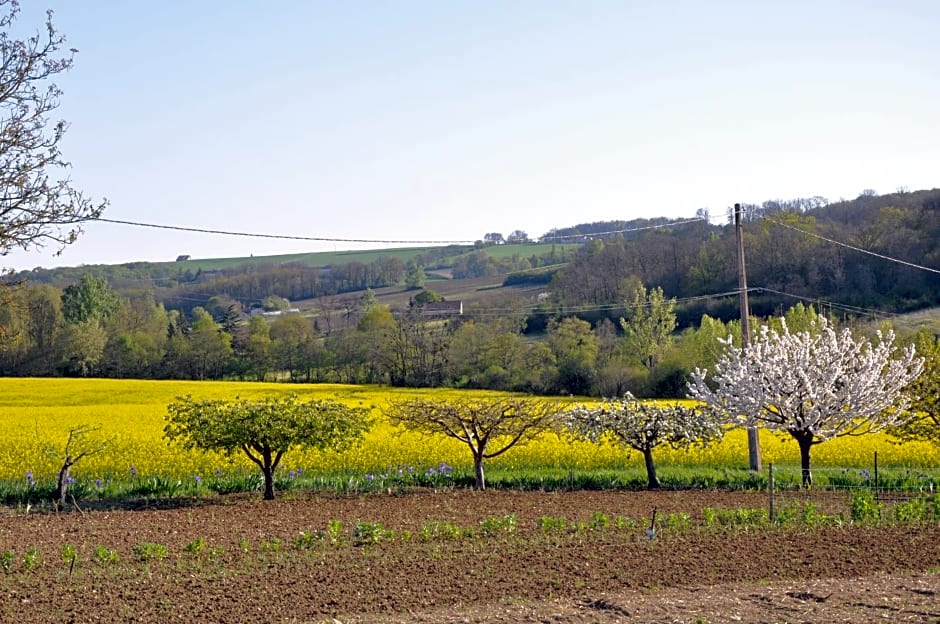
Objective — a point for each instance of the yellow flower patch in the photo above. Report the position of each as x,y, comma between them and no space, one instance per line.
37,414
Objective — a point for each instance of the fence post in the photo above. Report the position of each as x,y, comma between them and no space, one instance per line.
876,470
770,488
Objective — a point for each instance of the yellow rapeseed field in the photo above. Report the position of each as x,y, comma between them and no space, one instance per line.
37,414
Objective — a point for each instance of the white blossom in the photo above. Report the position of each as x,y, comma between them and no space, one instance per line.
812,385
644,425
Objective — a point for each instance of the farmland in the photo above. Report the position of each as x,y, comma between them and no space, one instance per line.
36,415
384,533
462,556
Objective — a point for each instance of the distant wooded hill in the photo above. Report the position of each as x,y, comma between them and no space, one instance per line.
787,254
592,266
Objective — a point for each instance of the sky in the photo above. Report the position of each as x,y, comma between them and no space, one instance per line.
416,120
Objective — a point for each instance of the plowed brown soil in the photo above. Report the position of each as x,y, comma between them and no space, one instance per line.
823,574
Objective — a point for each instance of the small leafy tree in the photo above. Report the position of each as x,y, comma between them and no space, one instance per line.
85,305
575,348
488,426
644,425
814,385
425,296
922,422
91,298
273,303
517,237
648,325
415,277
264,429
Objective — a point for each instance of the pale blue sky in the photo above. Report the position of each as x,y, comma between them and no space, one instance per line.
425,120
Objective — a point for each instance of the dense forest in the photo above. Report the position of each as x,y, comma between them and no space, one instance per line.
787,255
572,320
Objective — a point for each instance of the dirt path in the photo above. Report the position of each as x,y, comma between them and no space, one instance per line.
881,598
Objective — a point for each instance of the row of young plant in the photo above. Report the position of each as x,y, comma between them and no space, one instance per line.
398,479
865,510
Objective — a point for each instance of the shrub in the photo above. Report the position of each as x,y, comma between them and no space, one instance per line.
8,561
308,539
367,533
104,555
864,508
334,532
553,523
494,526
272,545
149,551
68,553
437,530
196,547
32,558
914,510
599,521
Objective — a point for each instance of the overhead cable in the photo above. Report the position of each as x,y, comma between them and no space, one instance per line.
832,304
327,239
853,248
181,228
625,231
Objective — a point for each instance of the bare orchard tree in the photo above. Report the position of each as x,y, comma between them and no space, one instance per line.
644,425
488,426
81,443
814,385
37,202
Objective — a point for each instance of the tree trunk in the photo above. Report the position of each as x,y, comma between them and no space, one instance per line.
268,483
652,479
268,470
805,440
62,483
62,486
478,472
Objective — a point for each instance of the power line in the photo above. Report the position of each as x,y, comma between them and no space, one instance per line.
853,248
756,290
328,239
832,304
600,307
181,228
625,231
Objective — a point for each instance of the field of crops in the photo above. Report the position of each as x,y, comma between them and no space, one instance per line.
37,414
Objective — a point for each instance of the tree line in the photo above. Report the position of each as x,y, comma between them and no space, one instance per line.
786,252
87,329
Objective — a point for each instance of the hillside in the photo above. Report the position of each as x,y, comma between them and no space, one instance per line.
475,293
789,259
538,318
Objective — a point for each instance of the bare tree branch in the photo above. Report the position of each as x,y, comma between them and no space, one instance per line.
38,204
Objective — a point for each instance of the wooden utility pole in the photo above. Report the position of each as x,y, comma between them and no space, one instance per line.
753,441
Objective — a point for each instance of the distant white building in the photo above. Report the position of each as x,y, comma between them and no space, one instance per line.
273,313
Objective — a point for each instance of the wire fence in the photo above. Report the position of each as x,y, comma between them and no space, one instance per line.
835,491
